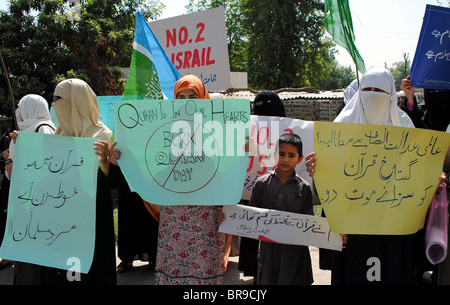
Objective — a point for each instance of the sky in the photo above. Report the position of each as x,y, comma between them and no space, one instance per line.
384,29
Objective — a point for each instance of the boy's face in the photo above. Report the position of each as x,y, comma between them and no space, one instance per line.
288,158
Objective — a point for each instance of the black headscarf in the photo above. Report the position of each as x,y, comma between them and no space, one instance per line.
437,104
268,103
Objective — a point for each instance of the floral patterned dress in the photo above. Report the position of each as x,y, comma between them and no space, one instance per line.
190,248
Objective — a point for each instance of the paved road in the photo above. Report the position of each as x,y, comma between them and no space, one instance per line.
141,274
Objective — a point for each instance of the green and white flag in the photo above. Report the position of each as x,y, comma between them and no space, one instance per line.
338,22
152,75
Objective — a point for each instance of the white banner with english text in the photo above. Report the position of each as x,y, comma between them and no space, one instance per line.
197,44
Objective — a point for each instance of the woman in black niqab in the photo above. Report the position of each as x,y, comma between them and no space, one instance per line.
268,103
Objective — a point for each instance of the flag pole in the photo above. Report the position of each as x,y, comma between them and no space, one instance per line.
13,106
357,75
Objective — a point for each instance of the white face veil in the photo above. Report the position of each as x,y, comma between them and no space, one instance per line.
375,107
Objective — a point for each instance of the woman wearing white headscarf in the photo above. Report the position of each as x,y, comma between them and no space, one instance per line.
76,107
374,103
33,115
350,91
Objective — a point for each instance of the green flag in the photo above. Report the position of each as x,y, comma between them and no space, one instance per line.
143,80
338,22
152,75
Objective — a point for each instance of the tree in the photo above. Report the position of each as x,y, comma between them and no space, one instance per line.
283,37
26,51
323,71
280,43
236,33
45,41
400,70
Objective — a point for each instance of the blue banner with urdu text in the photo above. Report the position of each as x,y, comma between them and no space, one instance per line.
431,64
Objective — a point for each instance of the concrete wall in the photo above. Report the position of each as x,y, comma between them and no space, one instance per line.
313,109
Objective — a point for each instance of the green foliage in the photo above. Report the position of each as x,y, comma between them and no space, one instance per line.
280,43
45,41
236,32
322,71
283,37
401,70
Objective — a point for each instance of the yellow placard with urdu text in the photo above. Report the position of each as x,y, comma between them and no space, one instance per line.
374,179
